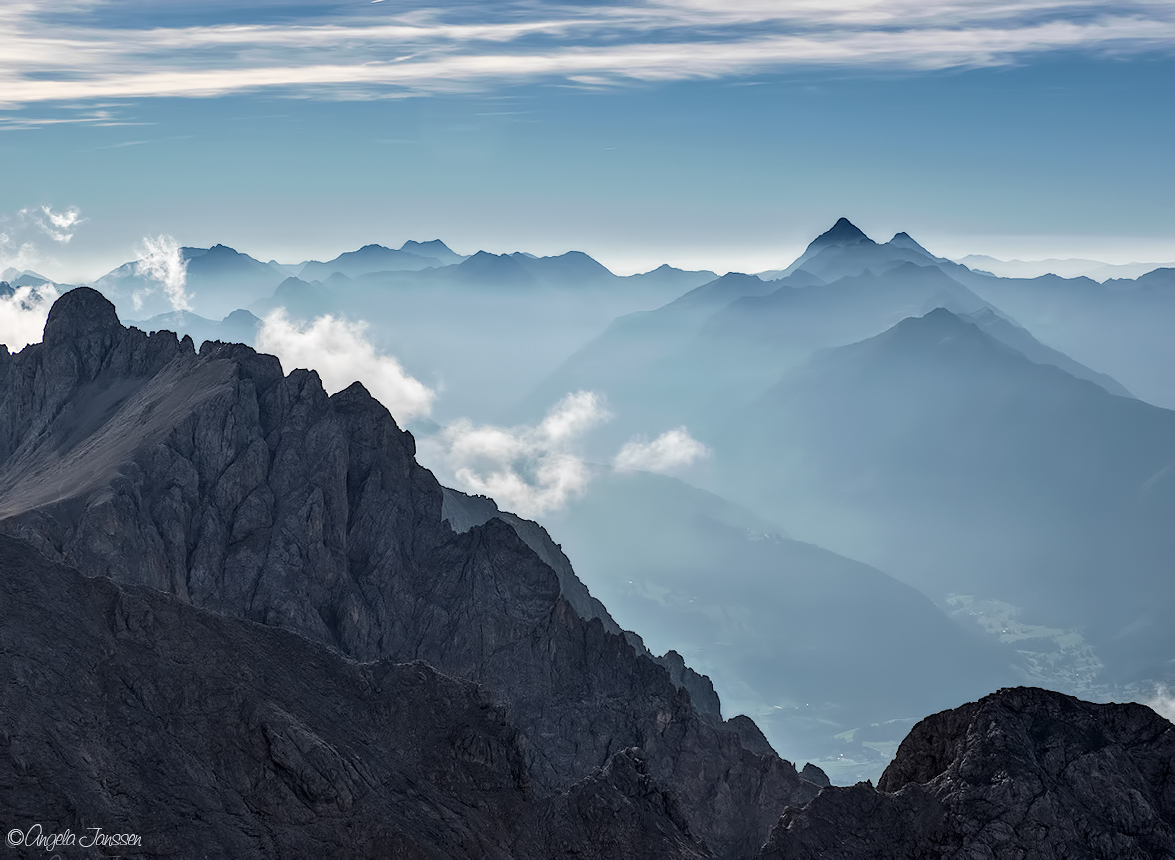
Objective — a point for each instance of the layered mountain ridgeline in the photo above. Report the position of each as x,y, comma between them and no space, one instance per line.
377,258
238,327
944,455
13,278
1121,327
1023,773
833,658
718,347
490,325
216,281
213,477
208,736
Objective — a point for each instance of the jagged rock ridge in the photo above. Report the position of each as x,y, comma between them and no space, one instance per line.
462,512
216,478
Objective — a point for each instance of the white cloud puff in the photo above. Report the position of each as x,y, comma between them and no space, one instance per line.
528,470
23,315
342,354
669,452
161,260
1163,703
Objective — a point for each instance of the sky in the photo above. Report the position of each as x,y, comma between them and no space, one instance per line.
719,134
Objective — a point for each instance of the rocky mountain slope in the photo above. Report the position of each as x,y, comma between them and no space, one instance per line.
1023,773
126,709
215,478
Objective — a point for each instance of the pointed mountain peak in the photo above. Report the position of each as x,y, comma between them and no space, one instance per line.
843,232
905,240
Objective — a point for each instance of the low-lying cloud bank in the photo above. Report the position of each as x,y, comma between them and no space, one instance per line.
23,315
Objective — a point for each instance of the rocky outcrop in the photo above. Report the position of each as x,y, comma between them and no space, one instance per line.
127,710
463,512
1023,773
214,477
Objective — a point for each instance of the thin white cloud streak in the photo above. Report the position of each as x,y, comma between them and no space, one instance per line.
668,453
161,260
342,354
528,470
23,315
420,52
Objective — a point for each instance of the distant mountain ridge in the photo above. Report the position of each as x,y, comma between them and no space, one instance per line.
1066,268
943,454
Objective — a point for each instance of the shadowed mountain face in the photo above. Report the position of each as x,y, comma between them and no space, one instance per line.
1022,341
210,736
1021,773
1120,327
213,477
944,455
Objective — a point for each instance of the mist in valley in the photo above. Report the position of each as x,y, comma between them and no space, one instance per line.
866,487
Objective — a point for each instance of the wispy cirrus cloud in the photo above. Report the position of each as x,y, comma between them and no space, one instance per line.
429,49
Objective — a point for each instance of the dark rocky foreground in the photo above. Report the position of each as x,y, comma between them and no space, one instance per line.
207,736
216,480
240,620
1022,774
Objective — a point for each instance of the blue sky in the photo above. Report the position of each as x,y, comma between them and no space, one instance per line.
704,133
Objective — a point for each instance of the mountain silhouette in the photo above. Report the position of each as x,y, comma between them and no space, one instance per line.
942,454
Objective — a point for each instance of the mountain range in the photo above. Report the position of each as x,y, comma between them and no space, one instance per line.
939,452
213,479
241,619
491,329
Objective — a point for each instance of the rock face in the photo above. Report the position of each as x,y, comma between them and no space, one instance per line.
1023,773
219,480
463,512
211,736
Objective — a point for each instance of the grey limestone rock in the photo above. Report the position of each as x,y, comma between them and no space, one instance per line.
125,709
463,512
1022,774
